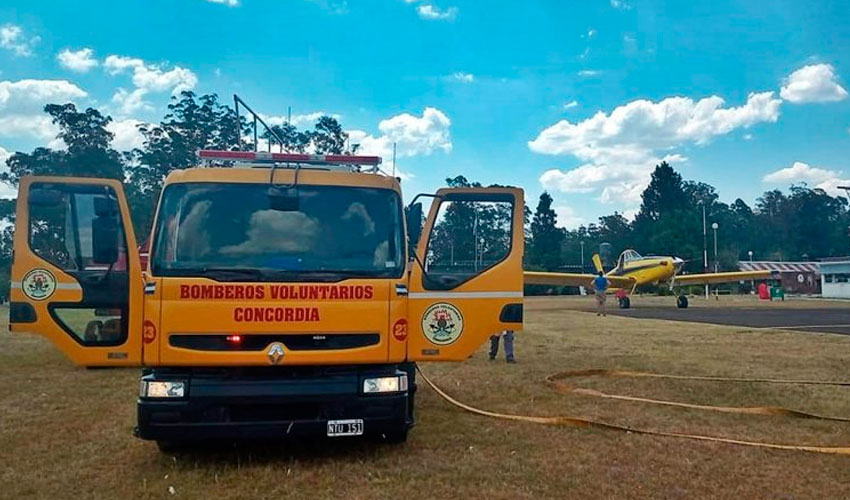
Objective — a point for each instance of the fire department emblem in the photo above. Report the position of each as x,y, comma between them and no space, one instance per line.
442,323
38,284
275,353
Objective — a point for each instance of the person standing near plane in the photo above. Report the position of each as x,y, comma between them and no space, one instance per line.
600,284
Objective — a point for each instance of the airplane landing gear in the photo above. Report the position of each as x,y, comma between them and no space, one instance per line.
624,303
682,302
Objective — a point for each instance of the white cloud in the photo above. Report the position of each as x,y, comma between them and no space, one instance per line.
29,94
748,137
130,102
37,126
433,13
567,217
571,104
22,106
4,155
413,135
12,38
588,72
813,83
229,3
79,61
302,121
591,33
620,149
147,78
126,134
799,172
462,77
620,4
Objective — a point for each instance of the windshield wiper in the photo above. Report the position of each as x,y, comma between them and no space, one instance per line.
284,275
228,273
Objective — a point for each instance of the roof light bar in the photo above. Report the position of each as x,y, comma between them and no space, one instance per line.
262,156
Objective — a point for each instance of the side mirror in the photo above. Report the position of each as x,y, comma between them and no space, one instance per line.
413,217
104,239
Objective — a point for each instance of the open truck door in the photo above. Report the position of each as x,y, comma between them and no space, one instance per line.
468,282
76,277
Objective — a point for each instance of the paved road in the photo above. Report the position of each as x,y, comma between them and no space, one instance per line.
826,320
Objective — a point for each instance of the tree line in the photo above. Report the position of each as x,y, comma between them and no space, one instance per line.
802,224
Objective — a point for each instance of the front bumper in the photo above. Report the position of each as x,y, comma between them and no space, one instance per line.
269,405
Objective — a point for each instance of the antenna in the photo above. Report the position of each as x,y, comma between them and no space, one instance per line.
394,144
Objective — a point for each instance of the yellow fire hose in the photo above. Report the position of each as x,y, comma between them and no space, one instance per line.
556,381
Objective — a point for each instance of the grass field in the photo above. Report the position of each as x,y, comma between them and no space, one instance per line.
65,432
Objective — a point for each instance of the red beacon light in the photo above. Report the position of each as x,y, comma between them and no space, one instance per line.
234,339
268,157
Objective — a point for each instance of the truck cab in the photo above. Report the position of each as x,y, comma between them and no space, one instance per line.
284,295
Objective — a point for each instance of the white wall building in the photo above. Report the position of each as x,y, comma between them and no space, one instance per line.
835,277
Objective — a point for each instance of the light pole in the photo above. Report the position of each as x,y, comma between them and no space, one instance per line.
714,227
582,255
704,249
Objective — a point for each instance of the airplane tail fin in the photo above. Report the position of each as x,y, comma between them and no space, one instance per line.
597,263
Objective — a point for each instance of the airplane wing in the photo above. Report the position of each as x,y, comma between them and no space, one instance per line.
572,279
700,279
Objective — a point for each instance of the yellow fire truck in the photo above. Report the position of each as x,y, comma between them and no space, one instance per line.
287,294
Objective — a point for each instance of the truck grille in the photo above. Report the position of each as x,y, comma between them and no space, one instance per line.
293,342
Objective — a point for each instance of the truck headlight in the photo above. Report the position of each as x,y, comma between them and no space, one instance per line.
396,383
162,389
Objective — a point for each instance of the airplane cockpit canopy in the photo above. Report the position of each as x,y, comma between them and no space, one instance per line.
629,256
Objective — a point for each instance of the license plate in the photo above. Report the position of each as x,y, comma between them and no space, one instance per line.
353,427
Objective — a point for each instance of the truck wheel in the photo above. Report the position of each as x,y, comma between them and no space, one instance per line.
682,302
625,303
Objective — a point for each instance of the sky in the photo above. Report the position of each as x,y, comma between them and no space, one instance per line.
578,98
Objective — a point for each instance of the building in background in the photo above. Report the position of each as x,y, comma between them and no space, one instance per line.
835,276
802,278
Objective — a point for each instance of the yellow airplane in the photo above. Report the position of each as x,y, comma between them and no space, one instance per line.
632,270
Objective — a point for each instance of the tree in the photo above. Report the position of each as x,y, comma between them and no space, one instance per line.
546,237
664,193
88,153
191,124
328,136
293,140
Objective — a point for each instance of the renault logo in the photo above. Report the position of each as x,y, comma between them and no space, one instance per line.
275,353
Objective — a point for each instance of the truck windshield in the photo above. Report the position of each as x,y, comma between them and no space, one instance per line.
231,232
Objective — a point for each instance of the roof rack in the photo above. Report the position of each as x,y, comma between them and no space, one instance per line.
352,163
264,158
